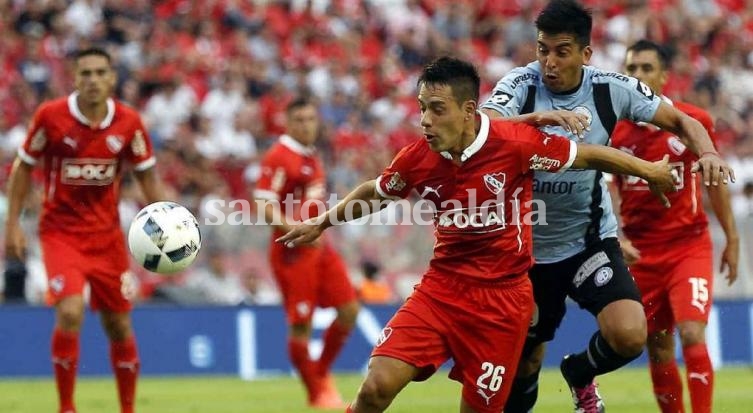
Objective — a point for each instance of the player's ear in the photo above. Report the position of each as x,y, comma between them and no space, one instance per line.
587,53
469,107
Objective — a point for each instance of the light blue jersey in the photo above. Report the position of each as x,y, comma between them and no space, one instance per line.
578,206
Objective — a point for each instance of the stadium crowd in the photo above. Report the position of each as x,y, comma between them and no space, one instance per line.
212,78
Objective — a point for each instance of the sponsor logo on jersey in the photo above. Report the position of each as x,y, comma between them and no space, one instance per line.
645,90
138,144
396,183
487,218
542,163
553,187
588,267
114,143
522,78
495,183
501,98
613,75
430,190
38,141
676,145
88,171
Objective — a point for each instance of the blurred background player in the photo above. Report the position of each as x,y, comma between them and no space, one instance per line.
291,187
577,252
477,279
669,251
84,141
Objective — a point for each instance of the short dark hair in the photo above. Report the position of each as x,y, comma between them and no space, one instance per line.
460,75
92,51
299,102
644,45
566,16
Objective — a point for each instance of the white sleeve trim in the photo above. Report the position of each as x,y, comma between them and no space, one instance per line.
145,164
382,193
571,158
24,156
266,194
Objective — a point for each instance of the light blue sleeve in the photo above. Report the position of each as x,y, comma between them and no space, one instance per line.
510,93
632,99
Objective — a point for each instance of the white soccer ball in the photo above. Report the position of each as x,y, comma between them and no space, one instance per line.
164,237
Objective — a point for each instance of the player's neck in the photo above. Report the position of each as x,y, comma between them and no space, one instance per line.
469,136
95,113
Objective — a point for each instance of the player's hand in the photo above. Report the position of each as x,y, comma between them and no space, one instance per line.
662,179
714,169
575,123
15,242
307,232
629,252
729,259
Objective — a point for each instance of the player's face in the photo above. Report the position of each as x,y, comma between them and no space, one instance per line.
95,79
561,60
646,66
442,117
303,124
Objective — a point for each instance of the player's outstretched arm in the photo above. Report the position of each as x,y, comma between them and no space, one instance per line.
18,188
715,170
659,174
348,209
721,204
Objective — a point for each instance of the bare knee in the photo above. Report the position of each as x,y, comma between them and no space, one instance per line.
692,333
661,347
117,326
348,313
70,313
623,325
377,392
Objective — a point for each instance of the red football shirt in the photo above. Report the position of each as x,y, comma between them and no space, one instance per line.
644,218
82,164
483,206
292,175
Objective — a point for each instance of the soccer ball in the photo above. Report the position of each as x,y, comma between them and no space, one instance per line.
164,237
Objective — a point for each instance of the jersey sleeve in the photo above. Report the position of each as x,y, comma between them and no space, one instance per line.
510,93
273,177
541,151
36,140
633,99
140,152
394,182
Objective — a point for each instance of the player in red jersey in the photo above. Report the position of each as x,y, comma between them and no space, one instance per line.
84,141
291,185
669,250
475,302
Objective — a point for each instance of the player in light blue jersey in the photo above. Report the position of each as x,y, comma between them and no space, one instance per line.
576,249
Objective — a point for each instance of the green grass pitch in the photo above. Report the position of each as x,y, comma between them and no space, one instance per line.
627,391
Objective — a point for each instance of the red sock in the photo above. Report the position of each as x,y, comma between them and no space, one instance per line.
299,356
700,375
125,364
334,339
667,386
65,350
348,409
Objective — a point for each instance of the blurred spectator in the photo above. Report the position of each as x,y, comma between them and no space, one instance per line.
742,205
258,290
373,289
214,283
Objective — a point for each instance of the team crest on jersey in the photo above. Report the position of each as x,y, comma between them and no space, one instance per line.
582,110
56,284
383,336
114,143
676,145
495,182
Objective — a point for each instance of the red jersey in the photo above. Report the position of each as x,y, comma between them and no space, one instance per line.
83,164
644,218
483,206
292,174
